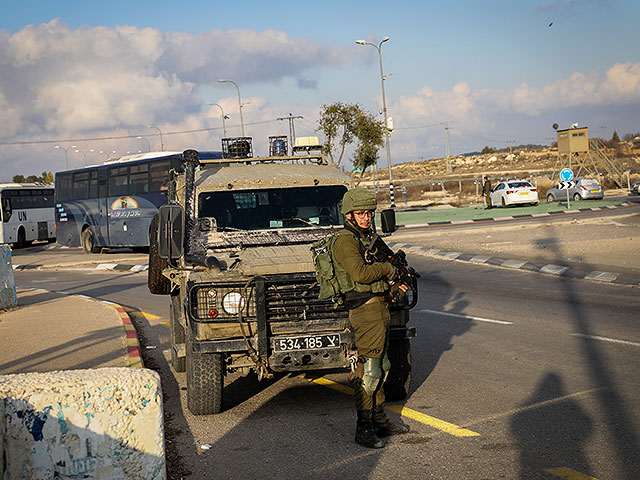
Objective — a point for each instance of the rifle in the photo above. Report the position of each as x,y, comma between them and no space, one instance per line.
379,251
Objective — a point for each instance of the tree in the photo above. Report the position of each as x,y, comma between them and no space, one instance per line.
615,138
344,123
47,177
18,179
488,149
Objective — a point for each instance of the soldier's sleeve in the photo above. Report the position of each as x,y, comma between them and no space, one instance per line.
346,253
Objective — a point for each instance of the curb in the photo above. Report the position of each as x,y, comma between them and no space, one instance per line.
549,268
102,266
134,352
516,217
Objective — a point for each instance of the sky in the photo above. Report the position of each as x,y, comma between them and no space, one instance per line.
90,77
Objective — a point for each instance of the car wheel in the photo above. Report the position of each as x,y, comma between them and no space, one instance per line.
551,198
577,197
88,241
205,381
399,380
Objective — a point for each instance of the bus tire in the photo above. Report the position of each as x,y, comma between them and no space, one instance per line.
158,283
399,380
22,239
179,363
89,241
205,381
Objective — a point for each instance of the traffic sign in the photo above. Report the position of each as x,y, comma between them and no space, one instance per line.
566,174
563,185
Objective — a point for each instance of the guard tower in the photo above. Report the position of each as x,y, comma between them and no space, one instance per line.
587,156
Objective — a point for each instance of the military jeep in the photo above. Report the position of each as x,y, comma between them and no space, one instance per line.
232,251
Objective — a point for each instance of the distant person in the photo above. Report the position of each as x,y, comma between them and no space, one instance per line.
486,191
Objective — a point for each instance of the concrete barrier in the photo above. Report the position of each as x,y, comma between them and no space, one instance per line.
7,284
98,424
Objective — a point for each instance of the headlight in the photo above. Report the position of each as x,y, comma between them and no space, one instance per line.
232,303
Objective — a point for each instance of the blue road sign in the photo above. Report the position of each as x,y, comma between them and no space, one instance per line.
566,174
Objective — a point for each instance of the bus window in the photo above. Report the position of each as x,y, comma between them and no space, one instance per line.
118,181
80,186
139,179
63,187
6,209
93,184
159,176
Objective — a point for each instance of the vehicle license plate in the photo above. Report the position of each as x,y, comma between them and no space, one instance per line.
524,193
594,191
308,342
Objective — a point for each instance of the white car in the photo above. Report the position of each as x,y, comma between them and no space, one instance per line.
514,192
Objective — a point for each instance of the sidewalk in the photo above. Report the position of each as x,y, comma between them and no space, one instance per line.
50,331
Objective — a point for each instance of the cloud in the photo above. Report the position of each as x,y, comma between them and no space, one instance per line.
56,79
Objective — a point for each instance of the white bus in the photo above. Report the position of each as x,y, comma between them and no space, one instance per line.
27,213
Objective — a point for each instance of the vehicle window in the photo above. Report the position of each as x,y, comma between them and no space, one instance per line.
520,185
63,187
589,182
80,186
139,178
274,208
159,176
118,181
500,186
6,208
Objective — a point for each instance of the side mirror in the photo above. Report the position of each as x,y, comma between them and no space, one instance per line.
388,220
171,232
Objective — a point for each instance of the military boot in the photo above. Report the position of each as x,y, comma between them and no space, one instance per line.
365,433
383,426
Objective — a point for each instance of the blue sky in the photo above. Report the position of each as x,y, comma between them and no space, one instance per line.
496,71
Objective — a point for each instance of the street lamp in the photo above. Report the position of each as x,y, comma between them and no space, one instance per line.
161,142
85,154
107,153
148,142
224,117
66,155
384,111
239,101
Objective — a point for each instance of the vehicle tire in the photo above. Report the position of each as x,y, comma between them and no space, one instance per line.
551,198
399,380
534,204
577,197
205,381
89,241
158,283
21,241
178,363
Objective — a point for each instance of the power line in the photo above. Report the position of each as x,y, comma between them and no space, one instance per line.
121,137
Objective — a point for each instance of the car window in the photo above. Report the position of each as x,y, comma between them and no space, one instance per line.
520,185
590,182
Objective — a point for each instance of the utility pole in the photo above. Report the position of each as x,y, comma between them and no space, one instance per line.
292,128
510,142
447,146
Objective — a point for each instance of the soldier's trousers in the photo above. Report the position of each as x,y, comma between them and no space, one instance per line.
370,323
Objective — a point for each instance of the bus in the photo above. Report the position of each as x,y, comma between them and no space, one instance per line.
27,213
111,205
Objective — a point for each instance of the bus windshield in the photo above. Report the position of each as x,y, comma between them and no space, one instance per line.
273,208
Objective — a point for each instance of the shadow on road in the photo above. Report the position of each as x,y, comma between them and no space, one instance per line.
535,428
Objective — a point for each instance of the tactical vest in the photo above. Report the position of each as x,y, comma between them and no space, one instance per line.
345,282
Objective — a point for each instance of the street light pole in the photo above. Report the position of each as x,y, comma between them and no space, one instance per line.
66,155
224,126
384,111
161,141
239,101
85,155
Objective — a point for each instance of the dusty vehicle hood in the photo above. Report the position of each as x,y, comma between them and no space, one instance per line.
273,260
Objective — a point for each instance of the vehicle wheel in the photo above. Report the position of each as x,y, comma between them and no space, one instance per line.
399,380
534,204
22,239
205,380
89,241
179,363
577,197
551,198
158,283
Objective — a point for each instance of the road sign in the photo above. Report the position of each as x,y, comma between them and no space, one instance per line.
566,174
563,185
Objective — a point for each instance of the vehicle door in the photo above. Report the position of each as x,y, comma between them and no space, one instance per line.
102,216
497,193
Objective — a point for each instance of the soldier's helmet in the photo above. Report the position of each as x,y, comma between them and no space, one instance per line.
358,199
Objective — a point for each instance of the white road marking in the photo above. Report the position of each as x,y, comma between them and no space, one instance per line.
513,263
555,269
601,276
605,339
479,259
466,317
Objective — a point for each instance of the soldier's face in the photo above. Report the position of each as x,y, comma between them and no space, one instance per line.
363,218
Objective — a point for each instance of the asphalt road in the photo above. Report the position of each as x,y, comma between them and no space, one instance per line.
515,375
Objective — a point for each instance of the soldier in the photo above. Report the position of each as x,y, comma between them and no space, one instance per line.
486,191
365,289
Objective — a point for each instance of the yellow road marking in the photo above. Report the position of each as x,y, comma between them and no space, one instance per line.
148,316
568,474
166,324
446,427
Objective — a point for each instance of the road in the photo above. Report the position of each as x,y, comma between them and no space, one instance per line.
515,375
